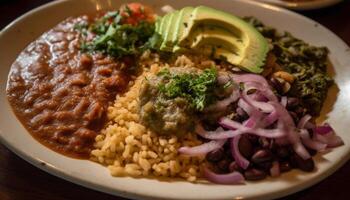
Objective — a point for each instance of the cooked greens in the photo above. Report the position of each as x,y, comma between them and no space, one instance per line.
307,63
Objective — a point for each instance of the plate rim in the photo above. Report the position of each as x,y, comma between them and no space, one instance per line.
47,167
302,6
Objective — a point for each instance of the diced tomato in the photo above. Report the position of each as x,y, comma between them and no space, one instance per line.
133,13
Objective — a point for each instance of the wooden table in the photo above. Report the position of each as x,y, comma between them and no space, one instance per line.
21,181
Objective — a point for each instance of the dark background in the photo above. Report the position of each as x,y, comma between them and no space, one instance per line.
21,181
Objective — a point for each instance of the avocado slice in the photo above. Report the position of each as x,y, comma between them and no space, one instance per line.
181,25
254,48
163,24
208,30
218,50
168,32
225,45
157,24
217,36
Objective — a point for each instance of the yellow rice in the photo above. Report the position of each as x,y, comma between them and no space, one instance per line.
128,148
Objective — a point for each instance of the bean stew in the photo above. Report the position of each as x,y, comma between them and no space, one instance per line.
61,94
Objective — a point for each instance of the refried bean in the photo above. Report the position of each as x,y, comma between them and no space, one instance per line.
60,94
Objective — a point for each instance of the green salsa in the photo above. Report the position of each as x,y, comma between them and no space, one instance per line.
171,100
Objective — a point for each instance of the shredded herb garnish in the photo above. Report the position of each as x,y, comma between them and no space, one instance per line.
198,89
117,39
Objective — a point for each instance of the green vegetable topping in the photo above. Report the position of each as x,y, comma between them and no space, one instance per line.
307,63
117,39
198,89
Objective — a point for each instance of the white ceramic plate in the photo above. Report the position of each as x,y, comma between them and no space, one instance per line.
28,27
306,5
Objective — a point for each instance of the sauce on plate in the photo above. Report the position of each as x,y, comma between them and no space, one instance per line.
60,94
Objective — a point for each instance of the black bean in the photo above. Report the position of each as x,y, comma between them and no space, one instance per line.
305,165
223,165
312,152
292,102
245,147
300,111
282,152
266,166
227,151
308,165
253,139
237,118
215,156
234,167
254,174
285,166
293,161
228,154
262,155
273,144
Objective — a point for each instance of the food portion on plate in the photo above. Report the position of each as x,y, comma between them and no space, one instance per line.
195,94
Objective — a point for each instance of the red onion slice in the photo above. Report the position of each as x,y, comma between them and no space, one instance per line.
230,124
244,78
335,141
301,151
264,109
265,91
246,107
331,140
231,178
286,124
203,148
312,144
326,134
236,154
320,138
305,119
324,129
309,125
218,134
222,104
268,133
258,97
254,120
269,119
284,101
263,106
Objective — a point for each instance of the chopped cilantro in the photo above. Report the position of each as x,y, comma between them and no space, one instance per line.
117,39
198,89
